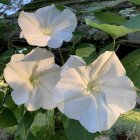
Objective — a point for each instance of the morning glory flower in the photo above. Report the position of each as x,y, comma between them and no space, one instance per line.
33,78
47,26
96,94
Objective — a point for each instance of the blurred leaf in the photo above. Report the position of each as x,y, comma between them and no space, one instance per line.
113,30
137,2
7,118
24,123
1,96
109,47
59,136
6,2
60,7
133,23
92,9
105,17
5,57
28,120
78,35
31,136
132,64
75,131
86,51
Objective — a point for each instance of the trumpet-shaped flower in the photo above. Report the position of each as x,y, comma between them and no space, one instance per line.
96,94
33,78
47,26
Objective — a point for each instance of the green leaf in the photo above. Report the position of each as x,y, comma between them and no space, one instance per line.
108,47
113,30
5,57
132,64
24,123
59,136
60,7
28,120
75,131
6,2
7,118
1,96
86,51
137,2
133,23
30,136
105,17
92,9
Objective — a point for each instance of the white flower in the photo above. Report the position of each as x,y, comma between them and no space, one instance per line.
32,78
97,94
47,26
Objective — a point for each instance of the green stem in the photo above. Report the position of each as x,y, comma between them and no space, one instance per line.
114,41
3,100
61,56
50,121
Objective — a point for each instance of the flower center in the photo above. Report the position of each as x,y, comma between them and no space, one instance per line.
34,79
46,31
91,86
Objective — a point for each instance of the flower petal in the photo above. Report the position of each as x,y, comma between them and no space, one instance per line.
120,88
31,29
21,93
66,20
69,88
74,62
19,83
42,95
106,66
17,57
28,23
39,56
64,34
40,40
17,70
47,15
55,42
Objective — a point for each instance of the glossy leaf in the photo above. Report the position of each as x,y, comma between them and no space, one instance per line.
59,136
6,2
7,118
86,51
28,120
105,17
75,131
113,30
137,2
132,64
133,23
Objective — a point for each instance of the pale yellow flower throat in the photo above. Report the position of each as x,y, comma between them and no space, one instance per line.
91,86
46,31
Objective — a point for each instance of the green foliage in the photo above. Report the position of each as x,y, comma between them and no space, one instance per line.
59,136
6,2
133,23
7,117
113,30
132,64
137,2
5,58
128,124
75,131
28,120
105,17
41,126
24,123
86,51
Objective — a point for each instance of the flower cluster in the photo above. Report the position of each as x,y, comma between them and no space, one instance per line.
95,95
